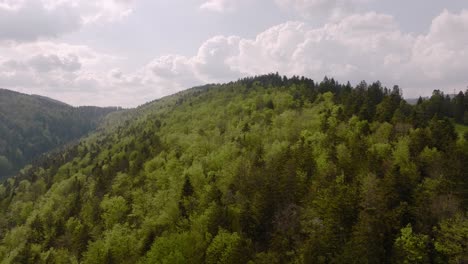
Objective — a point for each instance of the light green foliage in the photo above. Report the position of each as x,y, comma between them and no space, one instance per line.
225,248
381,150
114,210
401,155
13,243
410,247
462,129
264,170
21,210
177,248
118,245
452,239
383,133
344,156
58,256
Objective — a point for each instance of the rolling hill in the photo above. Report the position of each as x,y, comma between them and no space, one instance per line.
31,125
263,170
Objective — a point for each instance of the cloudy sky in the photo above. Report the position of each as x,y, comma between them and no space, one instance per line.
127,52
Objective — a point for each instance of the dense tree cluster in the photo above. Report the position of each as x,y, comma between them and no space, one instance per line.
263,170
454,106
33,125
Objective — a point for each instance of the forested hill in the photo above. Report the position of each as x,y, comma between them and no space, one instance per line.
31,125
263,170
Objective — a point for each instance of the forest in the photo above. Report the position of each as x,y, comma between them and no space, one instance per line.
266,169
32,125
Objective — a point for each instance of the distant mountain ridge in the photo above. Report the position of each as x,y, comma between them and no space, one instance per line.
31,125
50,99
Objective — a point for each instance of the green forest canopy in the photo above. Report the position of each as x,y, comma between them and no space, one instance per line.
264,170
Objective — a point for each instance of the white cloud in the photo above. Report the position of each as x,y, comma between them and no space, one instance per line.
216,5
222,6
354,48
46,63
79,75
442,54
48,68
29,20
366,46
212,62
174,72
322,8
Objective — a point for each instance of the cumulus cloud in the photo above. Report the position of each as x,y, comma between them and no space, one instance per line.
442,54
368,46
211,64
29,20
46,63
172,72
48,68
79,75
362,46
358,47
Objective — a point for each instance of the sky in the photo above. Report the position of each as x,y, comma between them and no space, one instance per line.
128,52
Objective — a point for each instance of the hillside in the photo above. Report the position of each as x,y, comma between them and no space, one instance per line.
263,170
31,125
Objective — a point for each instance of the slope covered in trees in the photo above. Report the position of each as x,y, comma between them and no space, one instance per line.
31,125
263,170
